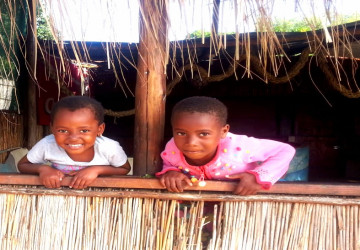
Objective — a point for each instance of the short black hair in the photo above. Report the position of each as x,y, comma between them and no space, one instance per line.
73,103
202,104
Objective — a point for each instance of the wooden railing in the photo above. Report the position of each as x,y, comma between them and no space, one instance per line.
145,184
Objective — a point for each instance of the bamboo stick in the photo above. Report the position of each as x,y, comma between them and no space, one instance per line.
356,228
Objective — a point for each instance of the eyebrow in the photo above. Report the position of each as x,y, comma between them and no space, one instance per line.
198,130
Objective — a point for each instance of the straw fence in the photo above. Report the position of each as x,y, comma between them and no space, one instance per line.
112,218
11,133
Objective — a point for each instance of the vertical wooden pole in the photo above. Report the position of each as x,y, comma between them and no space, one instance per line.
34,131
150,91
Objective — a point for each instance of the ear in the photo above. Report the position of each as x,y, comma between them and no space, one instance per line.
101,129
224,131
52,128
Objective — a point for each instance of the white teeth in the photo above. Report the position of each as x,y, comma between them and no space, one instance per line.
74,145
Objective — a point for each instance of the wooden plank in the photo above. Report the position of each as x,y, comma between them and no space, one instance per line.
129,182
186,196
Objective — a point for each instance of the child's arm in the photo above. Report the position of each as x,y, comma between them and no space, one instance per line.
50,177
275,158
269,159
84,177
175,181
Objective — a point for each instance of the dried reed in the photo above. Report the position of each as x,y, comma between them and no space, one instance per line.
11,133
276,225
81,222
67,222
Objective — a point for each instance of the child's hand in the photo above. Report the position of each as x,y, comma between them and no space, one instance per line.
247,184
83,178
175,181
50,177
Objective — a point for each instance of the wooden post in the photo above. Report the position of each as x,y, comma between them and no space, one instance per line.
150,91
34,131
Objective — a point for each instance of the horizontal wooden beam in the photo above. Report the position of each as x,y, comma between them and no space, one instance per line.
130,182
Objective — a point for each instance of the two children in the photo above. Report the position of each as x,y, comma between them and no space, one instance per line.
76,146
203,148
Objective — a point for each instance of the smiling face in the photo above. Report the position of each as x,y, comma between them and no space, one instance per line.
76,131
197,136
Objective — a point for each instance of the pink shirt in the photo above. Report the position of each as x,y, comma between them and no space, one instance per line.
268,160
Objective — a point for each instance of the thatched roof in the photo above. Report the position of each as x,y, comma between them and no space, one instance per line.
264,46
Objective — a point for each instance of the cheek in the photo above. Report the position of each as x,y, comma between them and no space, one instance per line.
90,138
178,141
210,144
59,137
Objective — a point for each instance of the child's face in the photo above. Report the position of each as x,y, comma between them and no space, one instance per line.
197,136
76,131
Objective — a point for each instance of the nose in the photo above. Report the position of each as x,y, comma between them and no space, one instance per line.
73,135
191,140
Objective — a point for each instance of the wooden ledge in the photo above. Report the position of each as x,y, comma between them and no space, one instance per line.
130,182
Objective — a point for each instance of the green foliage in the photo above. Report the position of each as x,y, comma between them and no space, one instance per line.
6,67
43,29
348,19
295,25
198,34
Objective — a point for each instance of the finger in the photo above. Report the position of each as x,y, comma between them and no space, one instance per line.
180,185
56,183
78,184
73,181
172,185
245,192
239,190
46,184
188,182
167,184
61,176
87,183
162,182
52,183
251,192
175,187
81,185
233,176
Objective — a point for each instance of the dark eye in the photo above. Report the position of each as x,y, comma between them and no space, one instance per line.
62,131
84,130
204,134
180,133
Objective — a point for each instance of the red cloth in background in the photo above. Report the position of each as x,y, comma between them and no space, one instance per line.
49,78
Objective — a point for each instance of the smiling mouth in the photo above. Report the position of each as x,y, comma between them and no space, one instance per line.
74,146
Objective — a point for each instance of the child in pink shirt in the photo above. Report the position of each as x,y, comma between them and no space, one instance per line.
203,148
